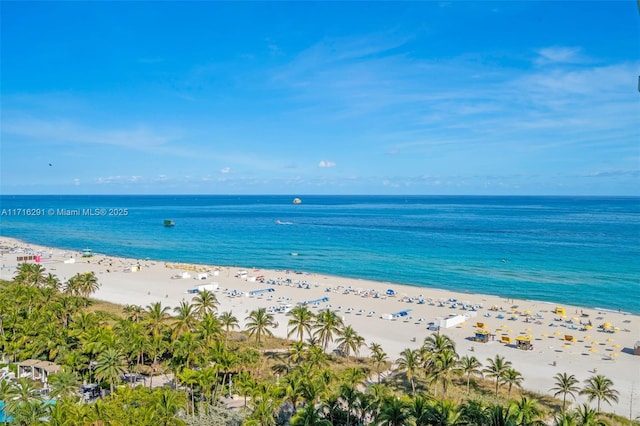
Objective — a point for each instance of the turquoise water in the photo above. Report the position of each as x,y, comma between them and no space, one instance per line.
578,250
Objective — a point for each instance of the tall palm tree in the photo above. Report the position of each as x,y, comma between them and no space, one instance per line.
469,366
205,303
565,384
409,362
497,368
83,284
110,365
30,274
600,388
229,322
327,325
348,341
393,412
437,343
443,366
379,357
258,323
512,377
300,322
209,328
156,317
185,320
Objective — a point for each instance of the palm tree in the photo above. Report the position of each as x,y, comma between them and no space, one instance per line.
497,415
443,413
600,388
525,412
409,362
469,366
185,319
443,366
309,415
419,410
565,419
133,312
300,322
30,274
393,412
512,377
209,328
83,284
348,341
205,303
497,368
110,365
156,317
379,357
228,321
167,405
327,325
63,384
566,385
585,416
437,343
258,323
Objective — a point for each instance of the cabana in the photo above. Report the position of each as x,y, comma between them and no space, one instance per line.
560,310
569,338
524,343
37,370
506,339
481,336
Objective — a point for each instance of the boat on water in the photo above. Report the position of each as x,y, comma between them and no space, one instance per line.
297,201
169,223
279,222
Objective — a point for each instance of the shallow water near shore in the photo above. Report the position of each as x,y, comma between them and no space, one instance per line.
578,250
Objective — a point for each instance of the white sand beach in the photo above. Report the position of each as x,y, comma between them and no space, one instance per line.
365,304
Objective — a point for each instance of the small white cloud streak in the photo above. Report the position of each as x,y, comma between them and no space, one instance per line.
326,164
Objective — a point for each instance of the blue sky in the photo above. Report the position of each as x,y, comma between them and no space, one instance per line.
320,98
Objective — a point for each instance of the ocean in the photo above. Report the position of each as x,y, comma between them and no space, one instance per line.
575,250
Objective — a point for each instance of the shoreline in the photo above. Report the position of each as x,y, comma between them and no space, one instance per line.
355,301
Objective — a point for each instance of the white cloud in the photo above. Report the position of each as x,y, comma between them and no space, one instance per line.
76,182
326,164
225,170
559,54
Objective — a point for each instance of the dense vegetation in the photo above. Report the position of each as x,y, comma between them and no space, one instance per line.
278,382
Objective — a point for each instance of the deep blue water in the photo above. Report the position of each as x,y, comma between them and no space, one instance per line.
578,250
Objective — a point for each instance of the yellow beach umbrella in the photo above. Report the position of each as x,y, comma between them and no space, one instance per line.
593,350
588,327
587,337
609,339
617,346
527,329
595,342
615,354
544,335
557,333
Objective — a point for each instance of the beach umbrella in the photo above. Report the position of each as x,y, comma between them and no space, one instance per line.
595,342
545,335
617,346
566,346
587,337
527,329
557,333
593,350
609,339
615,354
